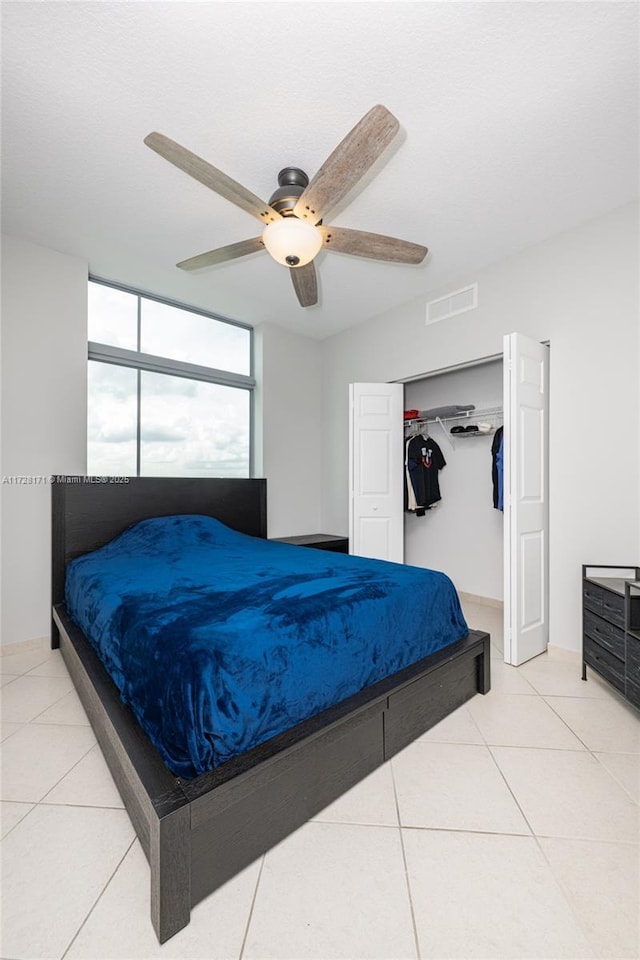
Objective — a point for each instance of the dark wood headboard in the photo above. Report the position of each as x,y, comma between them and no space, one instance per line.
87,512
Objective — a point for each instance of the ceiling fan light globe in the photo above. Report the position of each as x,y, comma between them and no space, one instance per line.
292,242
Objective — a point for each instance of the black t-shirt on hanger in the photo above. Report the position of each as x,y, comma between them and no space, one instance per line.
424,460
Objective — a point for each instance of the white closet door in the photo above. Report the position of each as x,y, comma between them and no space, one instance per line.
526,500
376,467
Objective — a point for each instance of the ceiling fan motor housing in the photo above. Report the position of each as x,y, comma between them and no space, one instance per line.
291,184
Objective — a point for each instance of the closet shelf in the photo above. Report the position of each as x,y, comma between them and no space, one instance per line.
467,415
493,414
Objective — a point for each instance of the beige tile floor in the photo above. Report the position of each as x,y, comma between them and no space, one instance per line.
510,830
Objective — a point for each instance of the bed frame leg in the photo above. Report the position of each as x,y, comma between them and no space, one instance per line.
170,861
484,666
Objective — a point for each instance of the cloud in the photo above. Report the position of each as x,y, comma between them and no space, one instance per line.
157,434
115,434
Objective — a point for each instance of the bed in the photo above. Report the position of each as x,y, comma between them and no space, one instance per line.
198,829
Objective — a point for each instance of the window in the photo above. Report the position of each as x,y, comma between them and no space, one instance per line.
170,389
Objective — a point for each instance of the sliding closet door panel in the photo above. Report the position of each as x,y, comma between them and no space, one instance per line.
526,512
375,465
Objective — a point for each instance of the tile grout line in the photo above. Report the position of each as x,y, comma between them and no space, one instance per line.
77,806
43,798
404,861
13,732
66,774
587,750
474,721
565,893
51,676
577,752
619,782
594,755
508,786
592,752
528,746
42,803
49,706
97,900
476,832
535,692
27,803
72,690
253,901
34,676
355,823
57,723
487,743
523,836
600,840
25,672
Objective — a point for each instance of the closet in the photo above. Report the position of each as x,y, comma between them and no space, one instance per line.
463,533
487,553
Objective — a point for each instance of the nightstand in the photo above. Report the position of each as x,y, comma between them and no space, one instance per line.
320,541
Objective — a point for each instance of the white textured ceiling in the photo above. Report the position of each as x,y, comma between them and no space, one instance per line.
518,121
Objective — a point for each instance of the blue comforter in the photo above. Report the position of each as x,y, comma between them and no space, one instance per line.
219,641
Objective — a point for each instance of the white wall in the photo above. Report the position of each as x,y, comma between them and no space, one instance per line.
579,290
447,536
289,421
44,418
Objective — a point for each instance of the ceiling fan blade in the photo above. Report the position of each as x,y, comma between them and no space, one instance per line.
347,164
211,177
222,254
305,284
376,246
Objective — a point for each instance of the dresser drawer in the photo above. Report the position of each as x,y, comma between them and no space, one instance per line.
604,663
613,608
592,597
605,633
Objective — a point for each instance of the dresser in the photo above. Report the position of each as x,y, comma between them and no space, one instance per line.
611,626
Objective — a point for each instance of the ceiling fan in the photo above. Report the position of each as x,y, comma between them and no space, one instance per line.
294,231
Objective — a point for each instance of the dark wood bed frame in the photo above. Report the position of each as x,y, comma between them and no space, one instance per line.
198,833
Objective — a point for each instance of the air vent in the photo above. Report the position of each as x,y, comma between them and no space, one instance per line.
459,301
